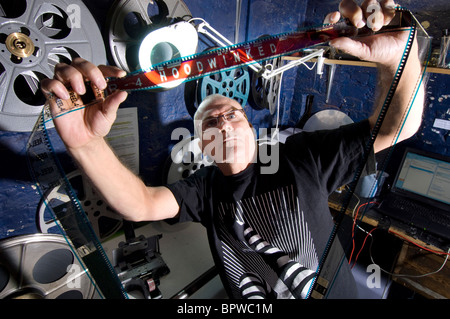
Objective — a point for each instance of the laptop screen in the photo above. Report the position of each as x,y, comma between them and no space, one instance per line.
426,175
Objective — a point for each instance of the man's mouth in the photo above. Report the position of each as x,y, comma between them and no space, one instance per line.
230,139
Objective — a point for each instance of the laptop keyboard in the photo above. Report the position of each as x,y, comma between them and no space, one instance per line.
417,214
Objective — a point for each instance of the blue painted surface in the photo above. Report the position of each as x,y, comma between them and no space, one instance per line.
160,113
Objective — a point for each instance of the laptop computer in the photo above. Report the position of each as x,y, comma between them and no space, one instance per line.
420,193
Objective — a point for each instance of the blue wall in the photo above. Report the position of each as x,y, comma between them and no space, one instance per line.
160,113
355,102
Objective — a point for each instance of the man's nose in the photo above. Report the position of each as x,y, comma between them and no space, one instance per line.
223,124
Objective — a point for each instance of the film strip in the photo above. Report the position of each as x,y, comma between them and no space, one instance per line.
220,59
49,173
217,60
333,255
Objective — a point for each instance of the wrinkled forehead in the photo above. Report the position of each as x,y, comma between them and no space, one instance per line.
216,106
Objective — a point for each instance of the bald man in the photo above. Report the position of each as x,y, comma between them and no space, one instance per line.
267,232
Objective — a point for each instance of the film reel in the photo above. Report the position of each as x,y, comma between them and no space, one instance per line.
129,21
265,91
35,35
234,83
186,158
104,220
41,267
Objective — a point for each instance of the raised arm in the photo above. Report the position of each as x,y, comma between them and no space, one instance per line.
83,133
385,50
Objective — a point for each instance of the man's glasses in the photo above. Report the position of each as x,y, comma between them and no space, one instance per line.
235,115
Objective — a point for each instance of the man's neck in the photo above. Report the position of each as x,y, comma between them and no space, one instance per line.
229,169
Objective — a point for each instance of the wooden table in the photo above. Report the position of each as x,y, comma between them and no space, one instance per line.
412,260
417,262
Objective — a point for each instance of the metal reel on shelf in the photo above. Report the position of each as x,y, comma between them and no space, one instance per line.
129,21
41,266
35,35
104,220
265,91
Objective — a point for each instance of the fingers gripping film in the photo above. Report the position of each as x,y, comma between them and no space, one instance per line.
74,101
373,13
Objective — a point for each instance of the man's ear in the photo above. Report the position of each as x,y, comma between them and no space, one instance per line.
200,144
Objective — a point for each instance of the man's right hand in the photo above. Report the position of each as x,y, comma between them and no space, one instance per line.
78,129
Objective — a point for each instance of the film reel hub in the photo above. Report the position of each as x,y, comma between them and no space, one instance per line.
35,35
20,45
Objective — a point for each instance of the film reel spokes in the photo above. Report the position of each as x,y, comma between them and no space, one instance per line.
35,35
41,266
104,220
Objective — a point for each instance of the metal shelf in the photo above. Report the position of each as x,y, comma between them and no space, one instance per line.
366,64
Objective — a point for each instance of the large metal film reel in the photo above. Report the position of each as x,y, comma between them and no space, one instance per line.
129,21
104,220
265,91
35,35
41,266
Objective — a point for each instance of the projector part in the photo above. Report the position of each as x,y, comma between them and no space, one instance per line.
139,264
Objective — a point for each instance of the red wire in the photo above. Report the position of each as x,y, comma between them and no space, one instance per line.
362,246
369,233
353,231
408,240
